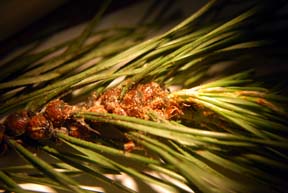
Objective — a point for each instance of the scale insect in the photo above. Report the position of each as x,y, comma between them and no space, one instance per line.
58,116
37,126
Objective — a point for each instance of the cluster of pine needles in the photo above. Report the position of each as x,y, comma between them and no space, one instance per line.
169,114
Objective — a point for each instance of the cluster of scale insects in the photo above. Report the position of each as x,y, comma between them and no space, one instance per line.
58,116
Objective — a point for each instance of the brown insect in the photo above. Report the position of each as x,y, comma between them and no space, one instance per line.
139,101
39,127
17,123
58,111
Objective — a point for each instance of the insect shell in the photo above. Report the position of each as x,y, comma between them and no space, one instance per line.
58,111
34,126
39,127
17,123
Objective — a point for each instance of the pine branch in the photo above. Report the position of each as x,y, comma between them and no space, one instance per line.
228,134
